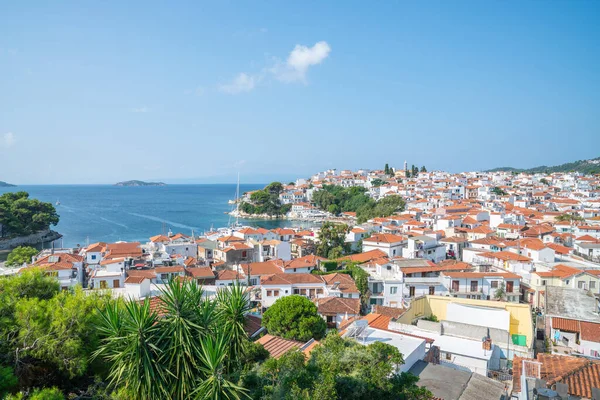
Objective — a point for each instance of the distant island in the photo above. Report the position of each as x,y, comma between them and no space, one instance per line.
5,184
140,183
591,166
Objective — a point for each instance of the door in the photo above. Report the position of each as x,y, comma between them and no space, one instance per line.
411,291
455,286
510,286
116,283
473,286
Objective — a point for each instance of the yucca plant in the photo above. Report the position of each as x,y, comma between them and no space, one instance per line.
233,303
130,340
215,384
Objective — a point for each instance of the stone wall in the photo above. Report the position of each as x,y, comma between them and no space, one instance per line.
33,240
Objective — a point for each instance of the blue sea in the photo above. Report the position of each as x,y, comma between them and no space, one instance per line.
105,213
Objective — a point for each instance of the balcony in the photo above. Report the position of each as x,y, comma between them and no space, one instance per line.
425,280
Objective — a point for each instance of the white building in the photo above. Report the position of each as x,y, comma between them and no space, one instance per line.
392,245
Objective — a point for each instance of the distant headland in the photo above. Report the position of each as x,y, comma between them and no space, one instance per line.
140,183
5,184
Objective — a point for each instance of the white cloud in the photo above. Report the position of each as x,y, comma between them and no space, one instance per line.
299,60
143,109
241,83
8,139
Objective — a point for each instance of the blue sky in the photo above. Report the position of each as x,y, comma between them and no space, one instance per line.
97,92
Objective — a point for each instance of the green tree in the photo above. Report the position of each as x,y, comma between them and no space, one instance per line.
545,181
498,191
361,280
569,217
377,182
8,380
20,215
331,236
423,169
500,293
294,317
21,255
414,171
386,170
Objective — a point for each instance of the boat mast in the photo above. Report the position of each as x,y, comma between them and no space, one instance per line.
237,202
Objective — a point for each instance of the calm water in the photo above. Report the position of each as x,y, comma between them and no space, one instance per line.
109,213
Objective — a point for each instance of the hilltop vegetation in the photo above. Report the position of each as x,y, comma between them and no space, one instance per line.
591,166
336,199
20,215
266,201
6,184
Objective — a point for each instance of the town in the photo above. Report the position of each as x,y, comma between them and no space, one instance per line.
488,283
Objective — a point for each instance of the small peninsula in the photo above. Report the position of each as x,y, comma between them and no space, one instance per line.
140,183
6,184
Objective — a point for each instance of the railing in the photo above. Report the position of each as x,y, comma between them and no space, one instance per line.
586,257
424,279
500,376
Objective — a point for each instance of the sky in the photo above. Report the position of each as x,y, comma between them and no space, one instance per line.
193,92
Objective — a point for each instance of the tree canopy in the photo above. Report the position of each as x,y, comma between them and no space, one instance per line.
21,255
266,201
337,369
294,317
499,191
355,199
332,240
20,215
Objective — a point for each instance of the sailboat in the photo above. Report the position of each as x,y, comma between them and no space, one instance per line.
236,213
57,202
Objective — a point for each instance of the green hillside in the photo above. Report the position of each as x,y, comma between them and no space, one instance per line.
591,166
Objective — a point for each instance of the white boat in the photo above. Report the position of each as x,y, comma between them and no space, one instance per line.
58,202
232,202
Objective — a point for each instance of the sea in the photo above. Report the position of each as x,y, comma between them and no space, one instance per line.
106,213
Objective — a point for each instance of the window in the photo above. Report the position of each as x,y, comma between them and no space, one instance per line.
294,269
244,253
411,291
448,356
567,282
473,286
581,285
319,291
275,293
432,290
103,285
269,293
592,285
494,284
296,291
393,289
93,256
543,282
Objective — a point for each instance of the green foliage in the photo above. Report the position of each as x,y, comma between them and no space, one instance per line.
499,191
21,255
329,265
45,334
20,215
332,240
545,181
361,279
423,169
570,217
414,171
500,293
337,369
582,166
294,317
355,199
47,394
266,201
377,182
191,351
431,318
8,380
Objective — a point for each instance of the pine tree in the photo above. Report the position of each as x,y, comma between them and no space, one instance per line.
423,169
386,170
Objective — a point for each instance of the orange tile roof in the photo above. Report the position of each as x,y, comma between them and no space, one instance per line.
505,275
289,279
201,272
337,305
310,260
365,257
261,268
277,346
590,331
564,324
385,238
506,256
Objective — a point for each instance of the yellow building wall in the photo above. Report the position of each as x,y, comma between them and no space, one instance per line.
425,306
